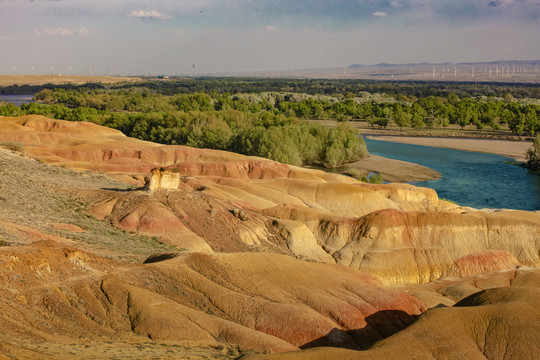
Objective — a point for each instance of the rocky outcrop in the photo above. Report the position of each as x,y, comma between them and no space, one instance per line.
417,247
162,179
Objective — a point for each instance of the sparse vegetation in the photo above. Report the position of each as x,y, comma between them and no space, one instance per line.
35,195
374,178
13,146
448,200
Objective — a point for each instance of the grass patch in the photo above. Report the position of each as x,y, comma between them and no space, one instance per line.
37,196
353,172
101,234
448,200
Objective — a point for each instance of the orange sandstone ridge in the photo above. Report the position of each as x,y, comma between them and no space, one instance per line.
274,257
400,233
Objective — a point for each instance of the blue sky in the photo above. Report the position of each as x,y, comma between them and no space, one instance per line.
139,37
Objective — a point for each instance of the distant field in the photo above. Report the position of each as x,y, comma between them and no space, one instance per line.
6,80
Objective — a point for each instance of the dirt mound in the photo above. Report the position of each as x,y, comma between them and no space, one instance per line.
257,301
492,324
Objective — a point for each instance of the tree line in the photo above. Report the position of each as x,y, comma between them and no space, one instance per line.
273,123
341,87
379,110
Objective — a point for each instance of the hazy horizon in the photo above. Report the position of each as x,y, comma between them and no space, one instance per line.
169,37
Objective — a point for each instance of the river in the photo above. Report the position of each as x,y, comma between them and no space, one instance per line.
16,99
469,178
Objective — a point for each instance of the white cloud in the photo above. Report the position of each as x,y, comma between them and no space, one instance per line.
83,31
271,28
149,15
60,31
53,32
379,13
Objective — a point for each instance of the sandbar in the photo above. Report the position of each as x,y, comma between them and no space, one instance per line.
512,149
391,170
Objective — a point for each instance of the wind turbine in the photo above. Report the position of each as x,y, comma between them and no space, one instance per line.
32,70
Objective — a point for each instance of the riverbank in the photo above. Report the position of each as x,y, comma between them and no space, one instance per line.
512,149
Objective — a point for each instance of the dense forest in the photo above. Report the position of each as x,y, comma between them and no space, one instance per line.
269,118
397,89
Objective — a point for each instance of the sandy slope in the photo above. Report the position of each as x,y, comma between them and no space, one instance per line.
499,323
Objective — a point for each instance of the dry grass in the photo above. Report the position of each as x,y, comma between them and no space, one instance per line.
13,146
37,195
7,80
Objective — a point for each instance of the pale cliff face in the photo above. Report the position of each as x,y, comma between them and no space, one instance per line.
162,179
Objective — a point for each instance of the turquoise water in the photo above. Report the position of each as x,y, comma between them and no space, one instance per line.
469,178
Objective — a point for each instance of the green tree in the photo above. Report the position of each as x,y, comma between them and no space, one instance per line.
401,117
533,155
9,110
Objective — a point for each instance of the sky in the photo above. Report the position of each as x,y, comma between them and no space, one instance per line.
189,37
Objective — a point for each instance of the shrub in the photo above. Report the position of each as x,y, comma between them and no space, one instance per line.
533,155
14,146
373,178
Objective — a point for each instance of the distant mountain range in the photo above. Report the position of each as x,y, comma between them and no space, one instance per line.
485,63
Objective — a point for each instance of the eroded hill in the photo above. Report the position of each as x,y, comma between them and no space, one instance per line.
243,253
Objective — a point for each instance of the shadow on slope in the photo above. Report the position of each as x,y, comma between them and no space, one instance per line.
379,325
491,324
